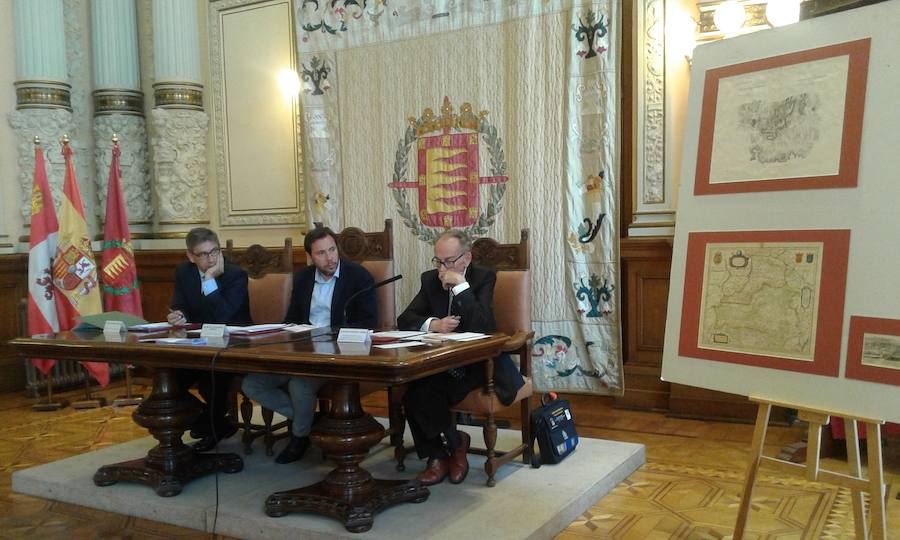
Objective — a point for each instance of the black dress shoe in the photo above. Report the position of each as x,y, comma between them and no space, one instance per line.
207,443
294,450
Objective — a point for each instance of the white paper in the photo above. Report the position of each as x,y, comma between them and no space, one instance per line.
300,327
400,344
150,327
177,341
398,334
255,328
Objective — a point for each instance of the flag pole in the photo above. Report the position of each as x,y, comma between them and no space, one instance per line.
129,398
48,404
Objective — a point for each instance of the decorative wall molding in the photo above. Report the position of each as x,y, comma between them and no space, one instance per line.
654,210
179,156
48,125
132,133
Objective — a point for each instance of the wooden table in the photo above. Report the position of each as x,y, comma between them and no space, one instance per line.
349,492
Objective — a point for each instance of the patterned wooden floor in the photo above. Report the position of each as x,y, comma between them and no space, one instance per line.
689,488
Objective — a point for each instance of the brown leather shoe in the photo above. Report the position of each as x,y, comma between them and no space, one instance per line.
459,463
434,472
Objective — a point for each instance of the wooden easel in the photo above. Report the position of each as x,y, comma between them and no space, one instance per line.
858,485
129,398
50,404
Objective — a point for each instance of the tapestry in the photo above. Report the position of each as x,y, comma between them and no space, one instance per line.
493,117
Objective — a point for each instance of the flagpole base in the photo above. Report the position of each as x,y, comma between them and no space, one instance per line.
89,403
50,405
127,401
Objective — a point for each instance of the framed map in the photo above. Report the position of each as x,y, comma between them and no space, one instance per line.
873,350
792,121
766,298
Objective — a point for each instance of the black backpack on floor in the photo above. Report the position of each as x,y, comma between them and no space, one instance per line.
553,426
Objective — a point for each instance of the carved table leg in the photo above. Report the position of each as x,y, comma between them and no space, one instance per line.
348,493
171,464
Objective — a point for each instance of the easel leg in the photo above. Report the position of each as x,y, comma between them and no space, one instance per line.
876,481
855,469
756,452
50,405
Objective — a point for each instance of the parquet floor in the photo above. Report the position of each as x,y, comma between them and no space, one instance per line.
688,489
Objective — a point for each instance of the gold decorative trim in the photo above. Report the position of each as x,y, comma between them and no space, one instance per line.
653,224
118,101
43,95
178,96
170,235
185,222
755,17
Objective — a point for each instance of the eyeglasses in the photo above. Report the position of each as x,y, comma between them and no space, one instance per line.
211,254
447,263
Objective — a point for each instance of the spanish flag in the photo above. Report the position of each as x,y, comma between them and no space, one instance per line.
74,269
42,246
118,272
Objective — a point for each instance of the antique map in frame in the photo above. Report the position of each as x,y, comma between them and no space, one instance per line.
787,122
873,350
766,298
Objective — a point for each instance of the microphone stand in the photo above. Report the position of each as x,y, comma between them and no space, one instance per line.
365,290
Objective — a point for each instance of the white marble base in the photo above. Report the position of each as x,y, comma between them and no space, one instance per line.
525,503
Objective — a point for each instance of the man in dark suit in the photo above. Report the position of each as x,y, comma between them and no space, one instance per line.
209,289
454,297
319,297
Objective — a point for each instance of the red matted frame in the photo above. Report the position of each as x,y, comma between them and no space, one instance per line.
859,327
826,358
854,104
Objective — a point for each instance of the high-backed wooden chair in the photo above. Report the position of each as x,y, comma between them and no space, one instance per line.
269,288
512,313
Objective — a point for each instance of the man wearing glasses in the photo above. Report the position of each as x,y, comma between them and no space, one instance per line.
209,290
455,296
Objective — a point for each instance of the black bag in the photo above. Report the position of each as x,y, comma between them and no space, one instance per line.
553,427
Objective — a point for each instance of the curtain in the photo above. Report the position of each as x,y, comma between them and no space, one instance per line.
488,116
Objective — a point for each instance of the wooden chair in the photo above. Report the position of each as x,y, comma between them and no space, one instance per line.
512,313
269,288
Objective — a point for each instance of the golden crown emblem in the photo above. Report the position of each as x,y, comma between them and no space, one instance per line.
466,119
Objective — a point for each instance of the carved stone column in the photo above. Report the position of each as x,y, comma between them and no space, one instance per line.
43,94
119,108
179,122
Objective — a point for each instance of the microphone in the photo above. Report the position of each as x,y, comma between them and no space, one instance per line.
367,289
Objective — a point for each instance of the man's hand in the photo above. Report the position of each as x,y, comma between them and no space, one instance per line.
447,324
176,318
450,278
215,270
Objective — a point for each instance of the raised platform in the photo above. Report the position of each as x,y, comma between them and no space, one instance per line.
526,503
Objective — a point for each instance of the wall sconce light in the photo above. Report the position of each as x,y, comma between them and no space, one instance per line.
782,12
722,19
681,34
289,83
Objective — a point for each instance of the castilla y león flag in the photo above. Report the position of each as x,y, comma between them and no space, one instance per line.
42,246
118,272
74,270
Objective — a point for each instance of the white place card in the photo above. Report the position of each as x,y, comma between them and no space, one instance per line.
213,331
114,328
353,335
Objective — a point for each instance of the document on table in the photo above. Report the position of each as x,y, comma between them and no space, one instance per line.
397,334
176,341
399,344
255,329
452,336
300,327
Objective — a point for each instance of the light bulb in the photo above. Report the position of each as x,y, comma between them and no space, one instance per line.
682,32
782,12
729,16
289,83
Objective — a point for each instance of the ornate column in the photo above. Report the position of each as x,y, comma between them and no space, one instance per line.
179,121
119,108
43,93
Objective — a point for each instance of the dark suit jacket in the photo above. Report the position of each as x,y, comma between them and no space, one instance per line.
361,313
228,305
476,314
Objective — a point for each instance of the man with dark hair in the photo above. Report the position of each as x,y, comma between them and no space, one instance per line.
455,296
208,289
320,296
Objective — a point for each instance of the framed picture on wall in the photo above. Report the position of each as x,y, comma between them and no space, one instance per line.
770,299
791,121
873,350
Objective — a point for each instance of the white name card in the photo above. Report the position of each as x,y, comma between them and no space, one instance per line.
114,327
213,331
353,335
